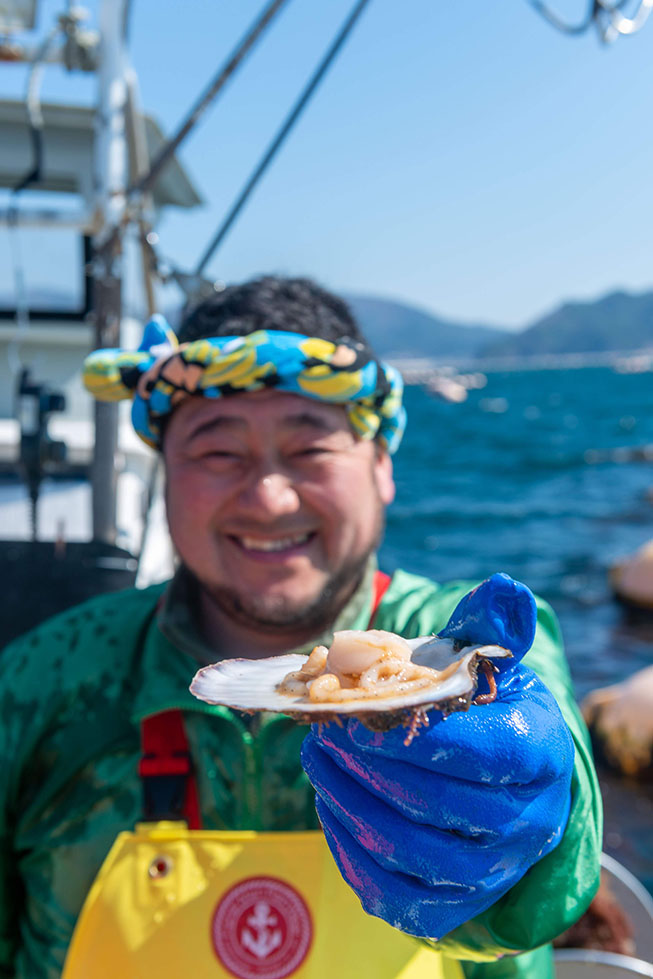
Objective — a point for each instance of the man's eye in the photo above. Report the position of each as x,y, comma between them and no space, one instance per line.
222,454
313,450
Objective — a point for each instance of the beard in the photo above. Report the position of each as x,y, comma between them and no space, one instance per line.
277,613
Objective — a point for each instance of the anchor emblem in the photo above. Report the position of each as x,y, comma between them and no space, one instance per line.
261,929
263,938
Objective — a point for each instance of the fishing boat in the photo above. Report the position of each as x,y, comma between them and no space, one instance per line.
47,425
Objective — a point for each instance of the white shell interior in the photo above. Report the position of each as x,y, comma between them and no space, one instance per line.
250,684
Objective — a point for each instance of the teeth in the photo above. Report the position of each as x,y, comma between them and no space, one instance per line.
256,544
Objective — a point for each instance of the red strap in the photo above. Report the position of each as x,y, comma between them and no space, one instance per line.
165,747
380,586
165,752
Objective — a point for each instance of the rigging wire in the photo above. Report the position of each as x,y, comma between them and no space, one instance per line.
281,135
145,183
126,22
553,18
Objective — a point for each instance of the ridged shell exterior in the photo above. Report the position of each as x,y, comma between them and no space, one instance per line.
251,685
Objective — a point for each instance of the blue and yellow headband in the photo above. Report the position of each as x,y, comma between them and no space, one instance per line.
162,373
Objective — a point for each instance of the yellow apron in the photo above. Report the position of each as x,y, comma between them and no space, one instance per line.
173,902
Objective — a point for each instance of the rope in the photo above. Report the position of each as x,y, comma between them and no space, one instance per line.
147,180
281,135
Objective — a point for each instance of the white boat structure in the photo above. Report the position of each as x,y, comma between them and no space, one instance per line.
96,510
52,343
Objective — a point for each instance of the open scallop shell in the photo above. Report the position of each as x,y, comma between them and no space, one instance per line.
251,685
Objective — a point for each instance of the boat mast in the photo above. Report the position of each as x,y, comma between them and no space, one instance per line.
110,179
113,215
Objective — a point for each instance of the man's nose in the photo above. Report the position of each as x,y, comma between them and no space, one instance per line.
271,493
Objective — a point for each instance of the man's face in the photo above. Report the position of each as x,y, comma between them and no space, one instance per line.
273,504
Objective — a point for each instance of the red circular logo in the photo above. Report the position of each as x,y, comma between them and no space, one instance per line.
261,929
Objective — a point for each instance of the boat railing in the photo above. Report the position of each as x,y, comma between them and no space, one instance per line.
583,963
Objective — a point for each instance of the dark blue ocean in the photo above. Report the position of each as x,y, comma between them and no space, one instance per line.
546,475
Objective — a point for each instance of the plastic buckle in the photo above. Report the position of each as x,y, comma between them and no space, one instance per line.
164,785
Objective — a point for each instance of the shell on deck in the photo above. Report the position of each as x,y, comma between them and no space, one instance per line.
252,685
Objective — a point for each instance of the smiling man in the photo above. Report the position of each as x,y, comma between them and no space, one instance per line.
480,839
287,510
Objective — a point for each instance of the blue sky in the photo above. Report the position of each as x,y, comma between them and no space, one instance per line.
464,157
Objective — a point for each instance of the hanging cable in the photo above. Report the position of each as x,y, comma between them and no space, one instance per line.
561,24
281,135
34,114
126,24
607,17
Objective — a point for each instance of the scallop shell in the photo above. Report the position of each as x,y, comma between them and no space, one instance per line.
251,685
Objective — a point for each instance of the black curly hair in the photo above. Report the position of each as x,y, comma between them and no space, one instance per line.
271,303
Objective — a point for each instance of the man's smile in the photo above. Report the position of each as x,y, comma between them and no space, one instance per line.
285,546
287,506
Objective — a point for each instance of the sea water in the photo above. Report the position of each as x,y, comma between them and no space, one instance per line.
546,475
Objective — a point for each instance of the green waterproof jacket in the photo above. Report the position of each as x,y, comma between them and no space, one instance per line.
72,695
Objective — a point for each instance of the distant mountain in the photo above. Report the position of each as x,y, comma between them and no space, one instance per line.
618,321
401,332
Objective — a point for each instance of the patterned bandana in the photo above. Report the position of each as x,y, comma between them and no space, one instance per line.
162,373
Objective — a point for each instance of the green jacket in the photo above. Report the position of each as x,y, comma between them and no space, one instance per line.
72,695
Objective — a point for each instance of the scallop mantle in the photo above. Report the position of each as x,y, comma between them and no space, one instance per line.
250,685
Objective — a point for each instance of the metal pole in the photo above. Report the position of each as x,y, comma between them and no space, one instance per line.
138,164
286,126
111,181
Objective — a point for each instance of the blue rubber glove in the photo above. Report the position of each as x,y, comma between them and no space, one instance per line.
430,834
501,611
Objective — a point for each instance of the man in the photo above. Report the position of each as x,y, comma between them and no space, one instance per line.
480,838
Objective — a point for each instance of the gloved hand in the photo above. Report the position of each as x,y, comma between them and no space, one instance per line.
500,611
430,834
